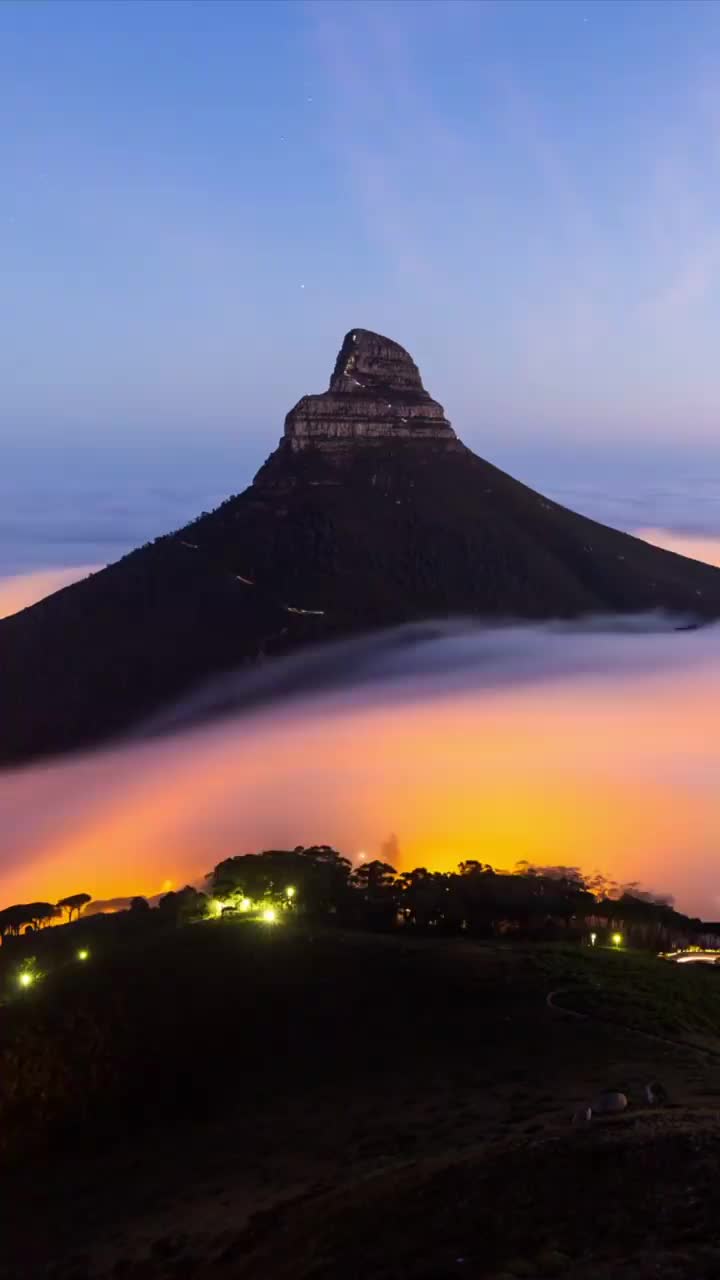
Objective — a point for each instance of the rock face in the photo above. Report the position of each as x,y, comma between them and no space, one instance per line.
375,395
369,513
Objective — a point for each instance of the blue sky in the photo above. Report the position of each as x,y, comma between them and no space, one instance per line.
199,199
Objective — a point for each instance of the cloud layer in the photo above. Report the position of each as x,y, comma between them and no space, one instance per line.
575,746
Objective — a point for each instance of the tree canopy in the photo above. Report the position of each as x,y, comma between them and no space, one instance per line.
74,902
23,914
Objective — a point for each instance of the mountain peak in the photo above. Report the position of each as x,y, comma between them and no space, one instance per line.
371,513
375,394
369,362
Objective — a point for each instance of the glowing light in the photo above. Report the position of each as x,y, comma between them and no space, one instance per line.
290,891
26,979
245,904
269,915
83,954
216,907
164,809
593,939
617,939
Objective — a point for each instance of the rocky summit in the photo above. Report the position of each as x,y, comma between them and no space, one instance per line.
375,395
369,513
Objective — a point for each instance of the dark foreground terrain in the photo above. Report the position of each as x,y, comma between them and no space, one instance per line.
233,1100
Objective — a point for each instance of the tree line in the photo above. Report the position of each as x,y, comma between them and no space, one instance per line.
319,883
34,915
530,901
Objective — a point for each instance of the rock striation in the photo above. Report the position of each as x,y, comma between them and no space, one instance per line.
375,395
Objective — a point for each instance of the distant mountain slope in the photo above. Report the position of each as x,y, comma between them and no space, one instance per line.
369,513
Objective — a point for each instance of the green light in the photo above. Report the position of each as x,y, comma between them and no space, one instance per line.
245,904
83,955
26,979
216,907
617,939
269,915
290,891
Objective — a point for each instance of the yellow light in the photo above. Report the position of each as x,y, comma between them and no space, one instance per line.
593,939
216,907
617,939
26,979
290,891
269,915
245,904
83,955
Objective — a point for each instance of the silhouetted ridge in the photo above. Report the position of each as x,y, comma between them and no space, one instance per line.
369,513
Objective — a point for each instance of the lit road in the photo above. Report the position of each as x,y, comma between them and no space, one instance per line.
693,957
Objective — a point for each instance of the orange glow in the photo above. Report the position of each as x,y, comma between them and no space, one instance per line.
22,590
696,546
614,771
618,774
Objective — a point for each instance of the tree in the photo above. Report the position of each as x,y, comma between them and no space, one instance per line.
318,875
40,913
378,890
74,902
426,896
184,905
139,906
12,919
474,868
23,914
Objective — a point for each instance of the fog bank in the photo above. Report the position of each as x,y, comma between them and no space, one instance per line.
590,745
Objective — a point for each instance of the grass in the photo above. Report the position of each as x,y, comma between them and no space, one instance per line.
637,990
274,1102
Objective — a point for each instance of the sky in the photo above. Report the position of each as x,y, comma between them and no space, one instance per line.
199,199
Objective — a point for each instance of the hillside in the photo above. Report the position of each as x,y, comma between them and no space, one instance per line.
321,1104
369,513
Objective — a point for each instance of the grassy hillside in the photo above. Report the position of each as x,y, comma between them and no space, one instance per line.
238,1100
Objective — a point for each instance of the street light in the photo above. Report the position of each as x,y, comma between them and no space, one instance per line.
269,915
290,891
26,979
617,939
83,954
593,939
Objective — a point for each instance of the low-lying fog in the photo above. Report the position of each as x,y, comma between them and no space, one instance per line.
591,745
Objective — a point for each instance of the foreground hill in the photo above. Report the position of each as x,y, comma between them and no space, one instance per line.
322,1104
369,513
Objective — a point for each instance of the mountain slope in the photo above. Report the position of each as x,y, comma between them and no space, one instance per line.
370,512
